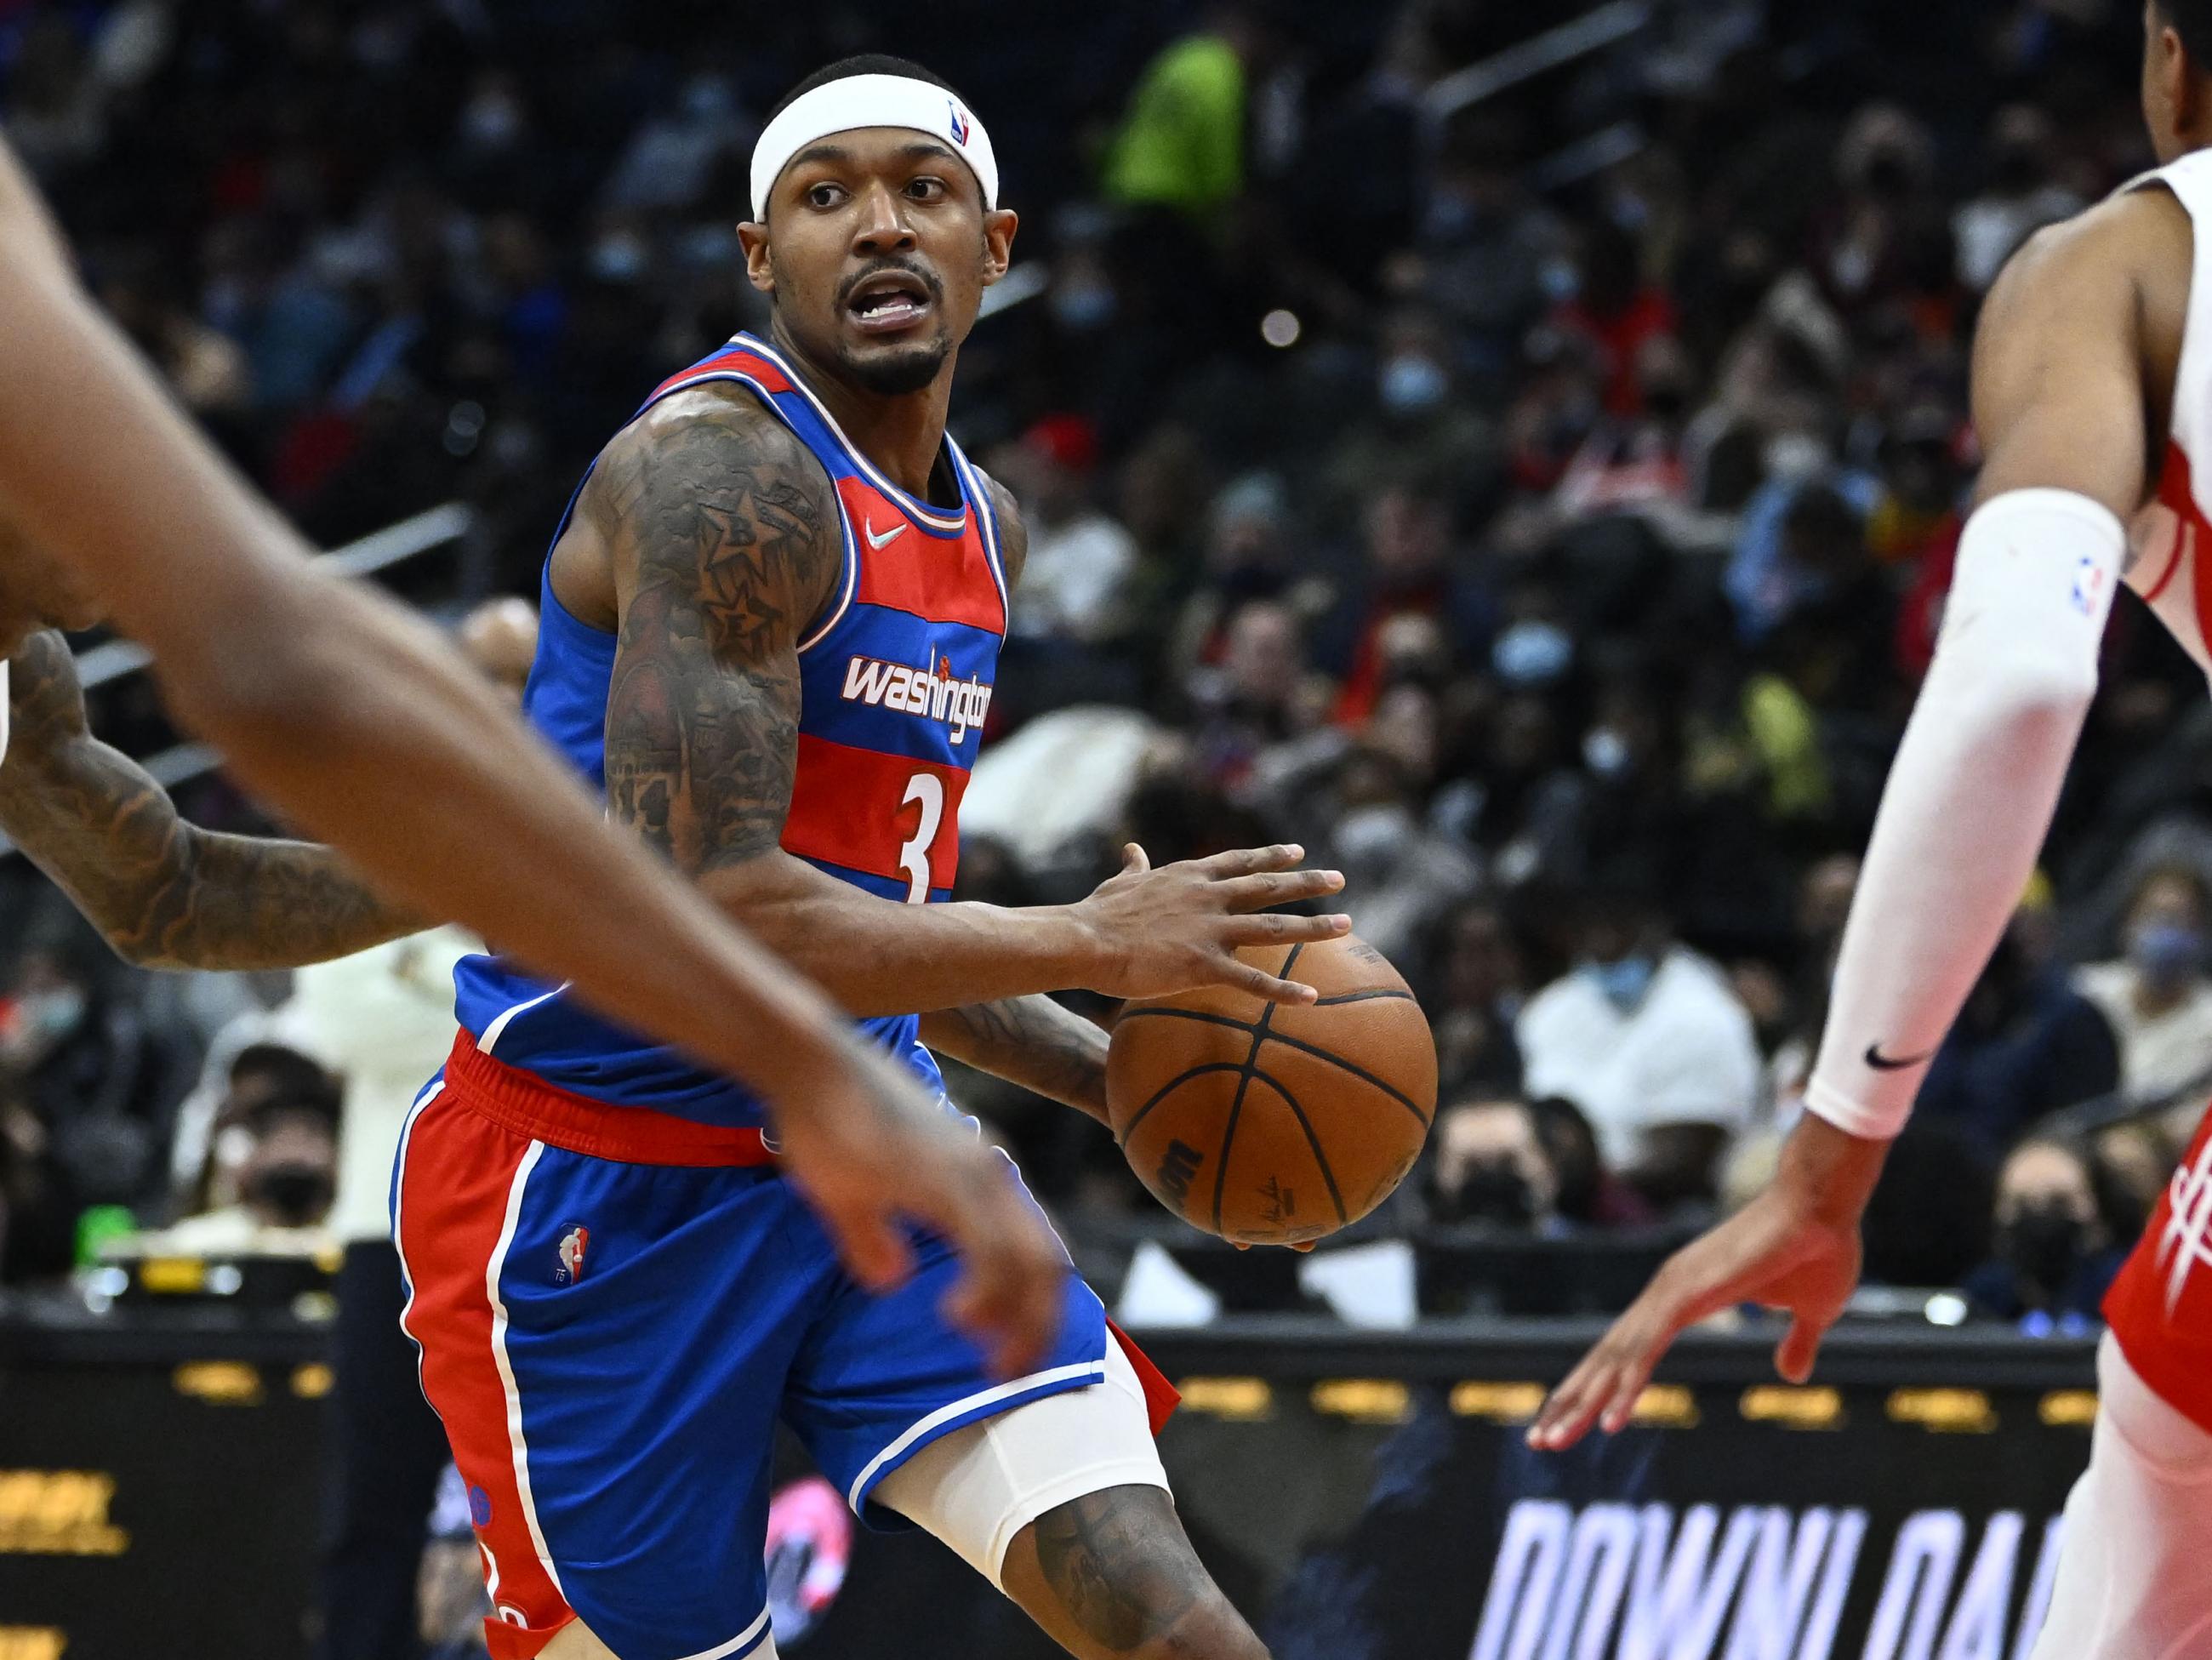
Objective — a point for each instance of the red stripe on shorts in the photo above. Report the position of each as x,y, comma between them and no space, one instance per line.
458,1176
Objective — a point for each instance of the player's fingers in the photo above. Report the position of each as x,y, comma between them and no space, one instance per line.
1570,1410
1247,893
874,1248
1134,860
1624,1389
1009,1294
1274,927
1266,987
1009,1301
1800,1347
1249,861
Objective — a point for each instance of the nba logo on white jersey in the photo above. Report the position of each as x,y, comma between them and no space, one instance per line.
572,1255
2089,580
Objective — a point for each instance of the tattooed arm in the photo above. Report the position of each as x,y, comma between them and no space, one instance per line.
1030,1040
722,534
165,894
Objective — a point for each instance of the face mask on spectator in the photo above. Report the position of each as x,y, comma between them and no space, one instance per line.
2166,953
1492,1190
1411,385
618,256
491,122
1082,306
52,1014
1374,838
2043,1243
1605,753
1531,654
1795,456
1625,982
294,1194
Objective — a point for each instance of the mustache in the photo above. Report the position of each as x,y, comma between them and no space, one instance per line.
920,273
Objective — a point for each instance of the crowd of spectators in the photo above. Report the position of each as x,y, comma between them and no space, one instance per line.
1541,505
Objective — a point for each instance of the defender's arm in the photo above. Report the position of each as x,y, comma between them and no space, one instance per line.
165,894
2063,370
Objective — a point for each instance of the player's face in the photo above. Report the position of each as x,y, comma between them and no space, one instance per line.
37,591
878,250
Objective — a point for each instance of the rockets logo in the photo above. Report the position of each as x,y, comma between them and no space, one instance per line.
573,1244
2186,1240
959,123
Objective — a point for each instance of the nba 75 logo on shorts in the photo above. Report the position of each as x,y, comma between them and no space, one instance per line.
573,1242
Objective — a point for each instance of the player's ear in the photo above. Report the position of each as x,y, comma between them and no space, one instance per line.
2189,99
999,225
760,266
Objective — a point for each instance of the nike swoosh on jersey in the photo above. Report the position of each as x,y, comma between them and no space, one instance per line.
876,541
1881,1062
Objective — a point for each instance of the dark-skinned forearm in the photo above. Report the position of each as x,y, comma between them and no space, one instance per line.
177,896
877,957
165,893
1030,1040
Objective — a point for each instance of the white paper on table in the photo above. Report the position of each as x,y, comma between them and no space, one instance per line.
1369,1285
1158,1292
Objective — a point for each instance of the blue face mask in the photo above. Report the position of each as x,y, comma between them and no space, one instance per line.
2165,953
1625,982
1083,307
1531,654
1411,386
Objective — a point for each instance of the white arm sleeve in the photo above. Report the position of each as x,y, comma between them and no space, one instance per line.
1970,798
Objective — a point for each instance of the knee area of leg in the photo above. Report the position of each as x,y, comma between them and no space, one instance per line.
1212,1630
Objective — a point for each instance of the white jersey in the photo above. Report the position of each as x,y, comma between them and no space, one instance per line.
2170,541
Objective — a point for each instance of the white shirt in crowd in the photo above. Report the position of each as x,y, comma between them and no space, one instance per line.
2159,1055
1072,584
1685,1053
383,1019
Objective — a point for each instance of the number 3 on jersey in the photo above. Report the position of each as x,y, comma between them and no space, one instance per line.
927,788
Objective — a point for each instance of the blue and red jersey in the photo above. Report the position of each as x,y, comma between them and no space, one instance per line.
896,678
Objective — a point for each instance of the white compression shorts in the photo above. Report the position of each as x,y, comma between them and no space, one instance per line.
979,1486
2131,1580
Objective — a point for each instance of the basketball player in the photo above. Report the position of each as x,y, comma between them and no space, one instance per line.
771,619
353,717
2092,391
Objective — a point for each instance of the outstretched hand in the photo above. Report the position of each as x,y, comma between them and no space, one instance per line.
1794,1248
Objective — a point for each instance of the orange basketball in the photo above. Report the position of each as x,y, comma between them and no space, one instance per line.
1268,1124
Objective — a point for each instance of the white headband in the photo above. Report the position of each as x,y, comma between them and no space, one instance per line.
872,100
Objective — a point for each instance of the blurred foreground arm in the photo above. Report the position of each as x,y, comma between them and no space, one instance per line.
2060,373
358,722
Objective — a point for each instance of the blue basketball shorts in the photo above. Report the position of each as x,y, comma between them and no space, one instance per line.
611,1344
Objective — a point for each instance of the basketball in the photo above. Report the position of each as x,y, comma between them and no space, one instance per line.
1274,1125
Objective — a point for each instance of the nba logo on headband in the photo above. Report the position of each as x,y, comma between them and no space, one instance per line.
870,101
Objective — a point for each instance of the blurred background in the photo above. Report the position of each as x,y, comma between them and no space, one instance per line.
1516,449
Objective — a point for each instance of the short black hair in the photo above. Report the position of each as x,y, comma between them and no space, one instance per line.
867,63
284,1069
2192,21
